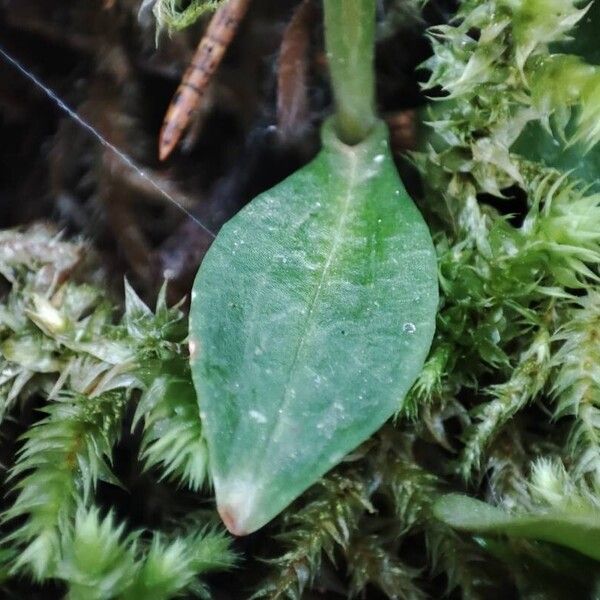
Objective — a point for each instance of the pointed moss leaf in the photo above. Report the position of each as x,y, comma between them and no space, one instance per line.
311,317
574,527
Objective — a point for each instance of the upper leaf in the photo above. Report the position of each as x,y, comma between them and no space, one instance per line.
312,315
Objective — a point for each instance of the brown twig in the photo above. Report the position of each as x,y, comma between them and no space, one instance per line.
293,72
188,97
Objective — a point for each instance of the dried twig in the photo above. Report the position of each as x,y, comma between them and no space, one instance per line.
188,97
293,72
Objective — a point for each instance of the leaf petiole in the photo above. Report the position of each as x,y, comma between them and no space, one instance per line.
350,42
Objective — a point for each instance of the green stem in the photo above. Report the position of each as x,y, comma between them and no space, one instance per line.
350,42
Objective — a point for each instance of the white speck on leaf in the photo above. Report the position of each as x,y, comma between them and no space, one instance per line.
258,416
409,328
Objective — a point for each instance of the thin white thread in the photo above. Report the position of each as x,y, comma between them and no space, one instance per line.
124,158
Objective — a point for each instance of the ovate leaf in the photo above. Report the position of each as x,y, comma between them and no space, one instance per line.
576,527
312,315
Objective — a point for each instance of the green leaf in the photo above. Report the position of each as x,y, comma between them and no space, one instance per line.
312,315
576,527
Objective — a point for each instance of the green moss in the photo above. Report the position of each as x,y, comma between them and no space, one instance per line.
176,14
505,410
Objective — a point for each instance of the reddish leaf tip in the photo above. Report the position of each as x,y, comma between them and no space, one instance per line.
230,521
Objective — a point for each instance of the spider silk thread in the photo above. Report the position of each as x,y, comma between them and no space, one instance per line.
120,154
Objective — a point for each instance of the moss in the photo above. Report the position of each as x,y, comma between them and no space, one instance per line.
506,408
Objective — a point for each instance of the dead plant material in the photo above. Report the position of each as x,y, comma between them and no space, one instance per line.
188,97
403,130
123,192
293,71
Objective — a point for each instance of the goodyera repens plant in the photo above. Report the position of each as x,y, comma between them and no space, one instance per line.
311,316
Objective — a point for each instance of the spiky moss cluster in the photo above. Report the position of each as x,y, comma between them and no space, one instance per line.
374,516
511,293
518,324
60,342
175,15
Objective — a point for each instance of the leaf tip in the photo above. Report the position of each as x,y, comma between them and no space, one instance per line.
238,507
231,521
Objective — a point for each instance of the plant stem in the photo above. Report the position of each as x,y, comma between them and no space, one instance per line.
350,41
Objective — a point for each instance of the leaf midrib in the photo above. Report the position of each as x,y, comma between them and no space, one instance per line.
337,238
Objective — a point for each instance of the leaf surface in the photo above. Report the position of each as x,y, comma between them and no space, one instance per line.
574,527
312,314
